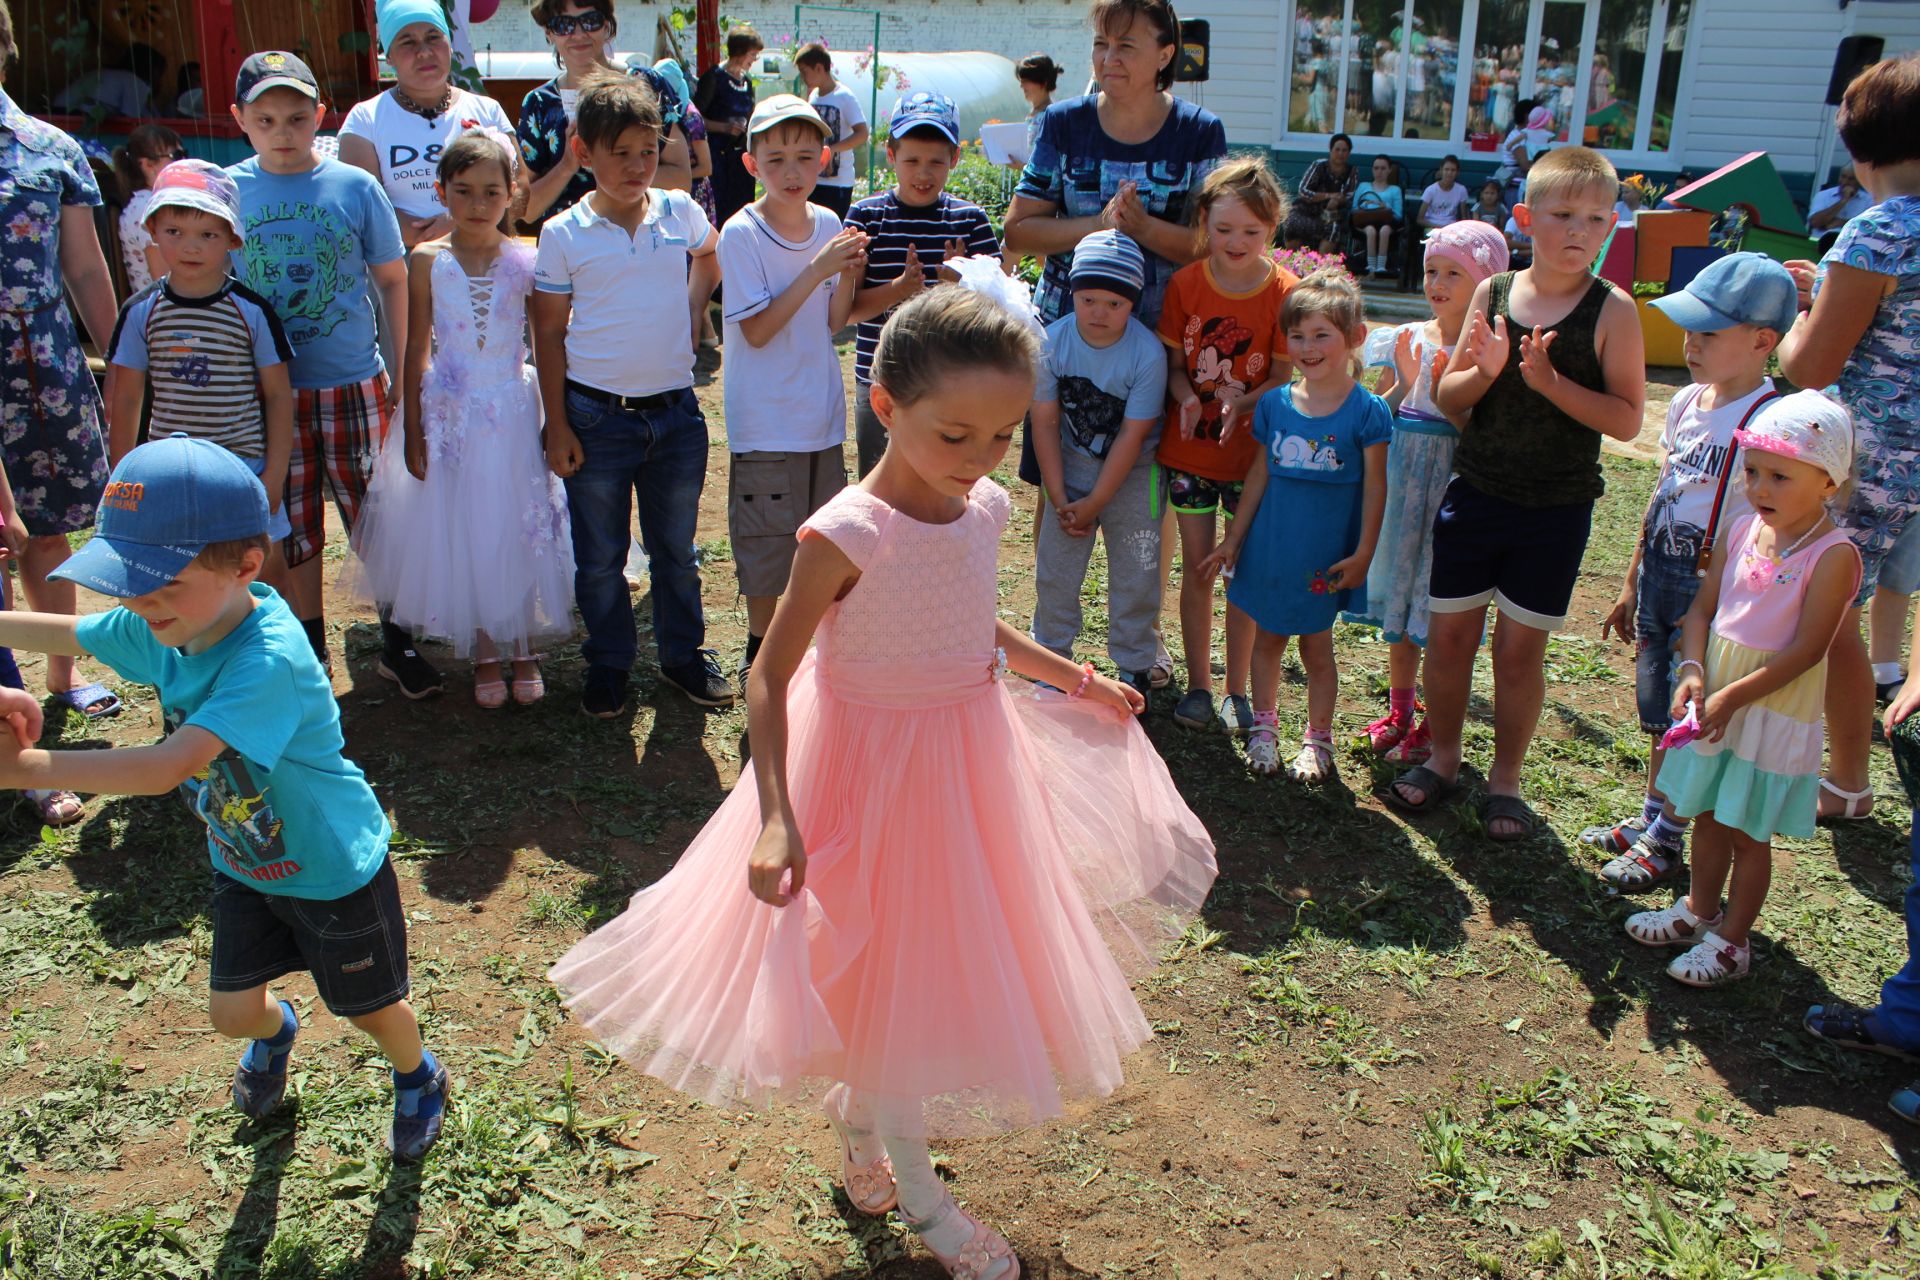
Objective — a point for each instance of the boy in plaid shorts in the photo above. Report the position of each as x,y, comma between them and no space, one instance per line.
316,230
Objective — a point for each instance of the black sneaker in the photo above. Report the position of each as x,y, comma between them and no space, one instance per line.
416,676
701,680
605,694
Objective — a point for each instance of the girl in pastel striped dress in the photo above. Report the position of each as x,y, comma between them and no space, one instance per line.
1744,752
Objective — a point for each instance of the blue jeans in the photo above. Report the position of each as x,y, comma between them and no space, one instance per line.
658,458
1665,591
1897,1020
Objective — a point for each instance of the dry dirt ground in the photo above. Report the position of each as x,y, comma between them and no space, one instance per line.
1389,1049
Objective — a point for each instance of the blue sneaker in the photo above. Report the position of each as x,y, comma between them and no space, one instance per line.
417,1115
260,1081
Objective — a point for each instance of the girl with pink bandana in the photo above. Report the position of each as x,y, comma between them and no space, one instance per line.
1419,461
1743,757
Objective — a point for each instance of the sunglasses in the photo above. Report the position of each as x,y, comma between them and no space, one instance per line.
178,153
566,24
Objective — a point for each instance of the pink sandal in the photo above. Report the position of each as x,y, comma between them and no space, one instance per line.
528,690
1415,748
870,1187
978,1256
1388,731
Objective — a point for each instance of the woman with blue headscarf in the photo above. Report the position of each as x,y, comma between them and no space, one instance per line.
398,136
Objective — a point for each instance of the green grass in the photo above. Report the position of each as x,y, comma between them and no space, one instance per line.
1385,1046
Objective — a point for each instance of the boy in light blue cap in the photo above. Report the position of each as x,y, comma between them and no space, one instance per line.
1734,312
301,878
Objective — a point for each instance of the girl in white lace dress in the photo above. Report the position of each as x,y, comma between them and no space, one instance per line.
468,542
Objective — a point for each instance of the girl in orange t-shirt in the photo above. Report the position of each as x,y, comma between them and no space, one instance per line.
1226,349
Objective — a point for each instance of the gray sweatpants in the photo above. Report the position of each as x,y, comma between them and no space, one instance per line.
1130,524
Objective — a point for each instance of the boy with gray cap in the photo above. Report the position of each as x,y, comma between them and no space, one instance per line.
301,877
1097,408
1735,313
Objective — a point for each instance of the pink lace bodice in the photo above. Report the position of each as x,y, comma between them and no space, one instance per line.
925,590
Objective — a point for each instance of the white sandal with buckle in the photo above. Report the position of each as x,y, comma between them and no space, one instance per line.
1855,806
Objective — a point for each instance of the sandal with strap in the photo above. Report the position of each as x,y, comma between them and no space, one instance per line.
870,1187
528,690
1855,806
1263,750
1415,748
980,1257
1616,838
1646,864
1160,674
1314,764
1674,926
1711,962
1388,732
1844,1026
489,694
57,808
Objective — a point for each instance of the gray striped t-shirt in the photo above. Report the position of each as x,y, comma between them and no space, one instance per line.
203,358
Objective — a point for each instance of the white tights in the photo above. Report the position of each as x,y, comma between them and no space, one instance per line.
924,1199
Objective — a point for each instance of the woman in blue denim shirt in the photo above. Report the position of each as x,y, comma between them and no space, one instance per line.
50,437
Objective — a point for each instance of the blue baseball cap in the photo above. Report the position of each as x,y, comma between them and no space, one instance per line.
1741,288
924,109
164,503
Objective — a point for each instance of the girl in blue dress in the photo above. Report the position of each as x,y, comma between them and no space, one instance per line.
1309,516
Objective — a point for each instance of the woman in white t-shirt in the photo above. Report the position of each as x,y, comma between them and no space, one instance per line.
398,136
1442,202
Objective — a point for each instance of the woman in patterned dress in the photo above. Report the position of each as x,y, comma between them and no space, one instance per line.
50,437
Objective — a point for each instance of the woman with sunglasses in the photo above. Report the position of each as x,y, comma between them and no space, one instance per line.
398,135
581,33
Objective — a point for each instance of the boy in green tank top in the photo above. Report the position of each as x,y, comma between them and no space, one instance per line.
1550,362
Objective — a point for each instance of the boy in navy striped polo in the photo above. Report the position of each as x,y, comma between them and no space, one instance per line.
211,350
916,224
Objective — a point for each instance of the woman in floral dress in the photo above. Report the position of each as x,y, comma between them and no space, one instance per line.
50,437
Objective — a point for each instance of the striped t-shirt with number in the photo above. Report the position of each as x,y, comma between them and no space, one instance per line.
203,357
893,225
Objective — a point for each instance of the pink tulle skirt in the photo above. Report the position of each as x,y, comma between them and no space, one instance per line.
987,864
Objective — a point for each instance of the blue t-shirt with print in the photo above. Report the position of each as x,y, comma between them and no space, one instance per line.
1077,167
286,813
310,238
1098,388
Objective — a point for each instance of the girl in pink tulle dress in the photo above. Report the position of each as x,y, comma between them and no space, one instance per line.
921,904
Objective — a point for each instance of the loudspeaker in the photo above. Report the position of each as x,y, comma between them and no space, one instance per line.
1855,54
1190,63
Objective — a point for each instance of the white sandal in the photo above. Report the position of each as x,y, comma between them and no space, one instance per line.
1712,962
1314,764
1263,750
1849,800
1676,926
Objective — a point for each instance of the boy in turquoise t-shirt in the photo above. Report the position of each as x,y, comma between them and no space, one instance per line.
301,878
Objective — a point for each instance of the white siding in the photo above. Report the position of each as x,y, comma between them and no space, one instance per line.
1246,49
1757,82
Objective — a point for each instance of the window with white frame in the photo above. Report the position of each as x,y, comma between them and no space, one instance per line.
1606,72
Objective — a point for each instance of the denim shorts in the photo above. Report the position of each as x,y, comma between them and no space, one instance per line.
355,947
1524,560
1665,590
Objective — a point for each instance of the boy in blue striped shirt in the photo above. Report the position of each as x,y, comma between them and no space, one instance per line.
918,225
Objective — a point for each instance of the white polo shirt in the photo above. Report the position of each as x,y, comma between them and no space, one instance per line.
630,333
